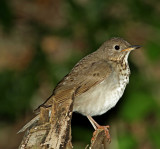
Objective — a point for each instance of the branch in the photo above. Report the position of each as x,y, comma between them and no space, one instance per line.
53,132
99,140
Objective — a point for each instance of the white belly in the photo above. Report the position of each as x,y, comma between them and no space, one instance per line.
101,98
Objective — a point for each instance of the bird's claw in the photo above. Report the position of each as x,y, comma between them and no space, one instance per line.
106,130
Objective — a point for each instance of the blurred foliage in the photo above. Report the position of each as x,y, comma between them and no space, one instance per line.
153,55
127,141
6,16
41,40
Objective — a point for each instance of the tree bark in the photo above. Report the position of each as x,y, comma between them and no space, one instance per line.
52,131
99,140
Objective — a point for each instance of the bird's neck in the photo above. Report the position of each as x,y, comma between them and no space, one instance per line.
121,65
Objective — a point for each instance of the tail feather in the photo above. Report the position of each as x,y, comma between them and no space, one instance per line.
29,124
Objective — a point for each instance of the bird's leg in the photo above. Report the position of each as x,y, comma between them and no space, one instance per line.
96,126
93,122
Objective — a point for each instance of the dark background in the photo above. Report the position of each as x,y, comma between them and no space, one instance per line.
41,40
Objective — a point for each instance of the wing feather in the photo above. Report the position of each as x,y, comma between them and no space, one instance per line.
82,77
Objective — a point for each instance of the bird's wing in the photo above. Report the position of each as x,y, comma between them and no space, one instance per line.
82,78
93,75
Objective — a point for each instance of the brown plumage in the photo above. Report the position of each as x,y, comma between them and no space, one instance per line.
99,79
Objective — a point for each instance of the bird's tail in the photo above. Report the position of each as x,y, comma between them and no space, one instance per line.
29,124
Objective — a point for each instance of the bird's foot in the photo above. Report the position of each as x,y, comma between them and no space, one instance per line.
98,127
106,130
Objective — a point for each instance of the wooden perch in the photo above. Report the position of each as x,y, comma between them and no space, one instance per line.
54,131
99,140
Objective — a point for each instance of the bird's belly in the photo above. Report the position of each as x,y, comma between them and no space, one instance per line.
99,99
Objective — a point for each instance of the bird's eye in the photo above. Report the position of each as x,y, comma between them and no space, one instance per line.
117,47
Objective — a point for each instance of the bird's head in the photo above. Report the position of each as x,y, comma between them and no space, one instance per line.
117,49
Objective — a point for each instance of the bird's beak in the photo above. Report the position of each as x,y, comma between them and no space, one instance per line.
130,48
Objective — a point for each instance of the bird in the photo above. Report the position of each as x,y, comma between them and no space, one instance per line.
99,80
